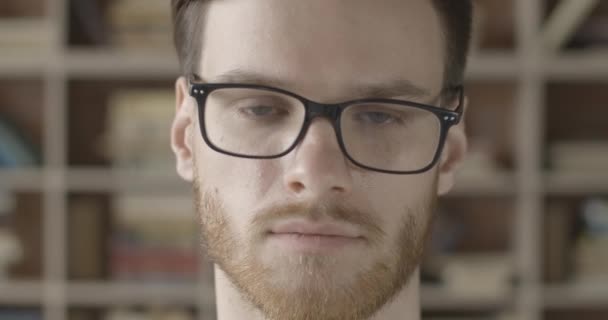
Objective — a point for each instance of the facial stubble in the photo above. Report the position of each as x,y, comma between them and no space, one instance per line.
316,296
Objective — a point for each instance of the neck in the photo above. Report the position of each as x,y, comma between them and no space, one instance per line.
232,306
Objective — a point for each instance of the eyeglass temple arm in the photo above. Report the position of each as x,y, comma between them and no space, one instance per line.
193,78
459,91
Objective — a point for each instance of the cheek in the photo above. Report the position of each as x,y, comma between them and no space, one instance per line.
242,185
392,197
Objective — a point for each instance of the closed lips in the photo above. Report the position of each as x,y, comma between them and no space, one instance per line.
315,229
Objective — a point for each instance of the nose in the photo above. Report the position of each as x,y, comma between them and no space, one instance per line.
318,169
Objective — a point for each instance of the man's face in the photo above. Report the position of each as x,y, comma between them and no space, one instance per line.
325,51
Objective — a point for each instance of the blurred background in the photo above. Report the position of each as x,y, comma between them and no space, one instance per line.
95,224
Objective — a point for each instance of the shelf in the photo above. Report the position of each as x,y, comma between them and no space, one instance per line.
91,180
115,180
490,184
576,295
115,294
437,298
116,63
21,293
92,63
110,180
21,179
576,183
123,63
492,65
111,294
22,64
585,65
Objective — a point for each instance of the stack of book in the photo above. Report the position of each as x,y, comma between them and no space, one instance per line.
591,257
589,156
154,239
140,23
138,131
15,151
478,274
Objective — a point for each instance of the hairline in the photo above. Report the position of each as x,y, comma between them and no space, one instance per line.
453,72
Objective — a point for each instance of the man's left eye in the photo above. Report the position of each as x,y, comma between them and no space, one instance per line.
376,117
260,110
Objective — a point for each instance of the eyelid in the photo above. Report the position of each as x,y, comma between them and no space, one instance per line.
273,110
432,101
231,101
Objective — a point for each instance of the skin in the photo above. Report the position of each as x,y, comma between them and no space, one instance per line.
328,51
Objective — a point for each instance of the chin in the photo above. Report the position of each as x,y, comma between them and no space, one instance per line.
301,270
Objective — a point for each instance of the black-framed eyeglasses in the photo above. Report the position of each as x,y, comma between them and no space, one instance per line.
262,122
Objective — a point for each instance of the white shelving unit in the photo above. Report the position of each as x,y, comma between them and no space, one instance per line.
528,68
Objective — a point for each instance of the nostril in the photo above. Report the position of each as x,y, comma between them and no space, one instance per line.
338,189
297,186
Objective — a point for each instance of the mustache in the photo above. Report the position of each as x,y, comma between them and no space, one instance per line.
367,222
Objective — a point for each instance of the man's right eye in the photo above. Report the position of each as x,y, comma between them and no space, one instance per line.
376,117
262,111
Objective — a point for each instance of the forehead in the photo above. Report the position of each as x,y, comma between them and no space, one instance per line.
322,48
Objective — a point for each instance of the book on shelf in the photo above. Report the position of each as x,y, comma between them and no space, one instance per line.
24,221
593,32
20,314
140,23
564,21
87,226
558,242
87,26
591,253
15,151
11,249
154,238
137,132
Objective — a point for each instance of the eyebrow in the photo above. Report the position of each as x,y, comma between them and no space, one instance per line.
385,89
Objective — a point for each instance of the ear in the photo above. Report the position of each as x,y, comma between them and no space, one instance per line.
453,154
181,131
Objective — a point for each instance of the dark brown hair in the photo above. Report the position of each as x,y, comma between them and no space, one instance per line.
456,18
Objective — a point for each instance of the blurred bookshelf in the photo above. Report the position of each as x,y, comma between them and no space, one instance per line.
512,241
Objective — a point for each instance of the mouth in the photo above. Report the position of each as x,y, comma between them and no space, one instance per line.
308,237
